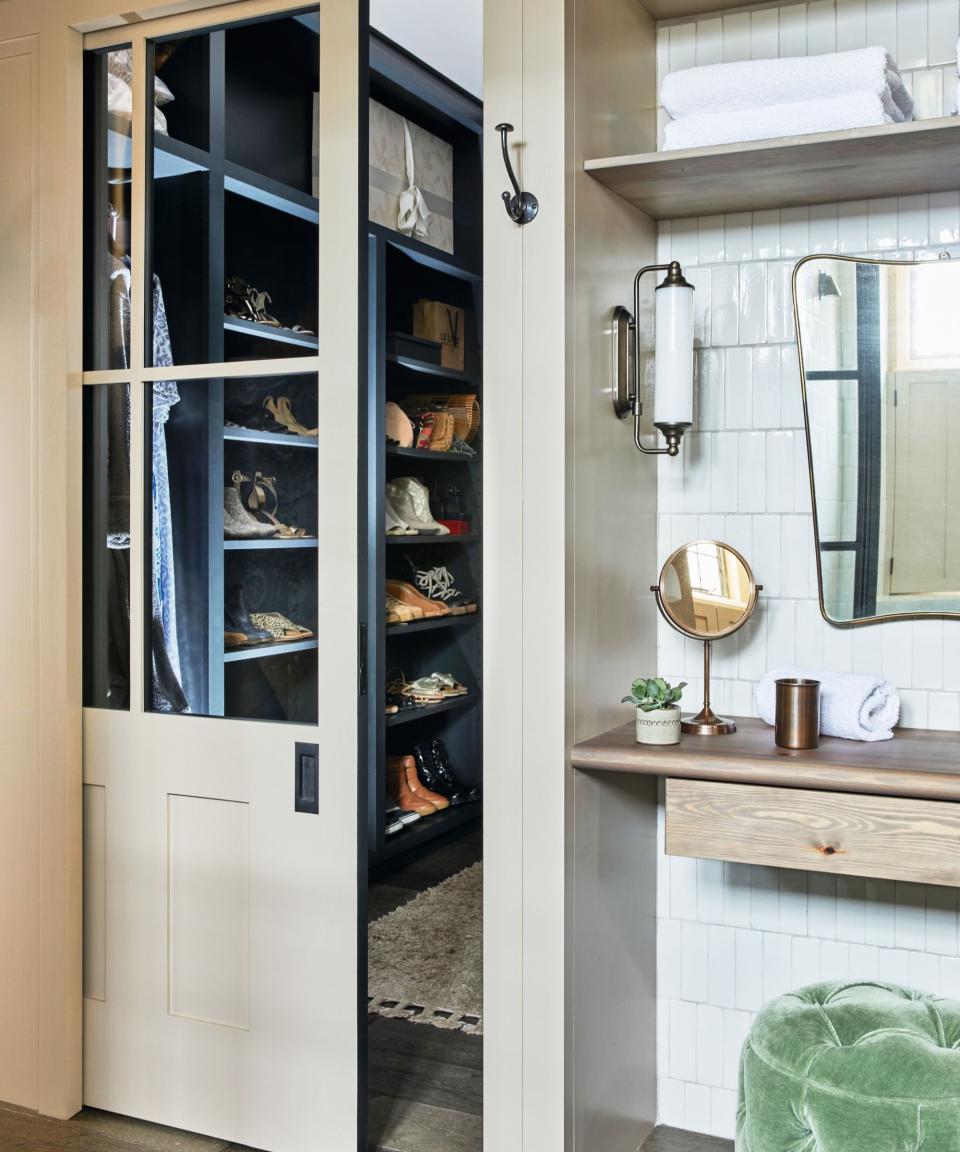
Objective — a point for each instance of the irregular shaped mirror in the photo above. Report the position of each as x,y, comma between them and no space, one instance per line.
880,369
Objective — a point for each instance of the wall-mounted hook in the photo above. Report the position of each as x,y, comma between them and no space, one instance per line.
522,207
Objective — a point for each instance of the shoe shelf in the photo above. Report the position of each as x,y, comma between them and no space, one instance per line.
264,651
470,538
271,193
426,255
266,332
413,626
280,439
425,455
401,271
422,711
269,544
170,157
423,368
428,829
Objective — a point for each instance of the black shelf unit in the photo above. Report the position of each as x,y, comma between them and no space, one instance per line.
228,192
400,271
415,626
426,832
425,456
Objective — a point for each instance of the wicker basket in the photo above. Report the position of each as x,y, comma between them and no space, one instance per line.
464,407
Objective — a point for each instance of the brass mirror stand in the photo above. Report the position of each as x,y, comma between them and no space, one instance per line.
706,592
707,722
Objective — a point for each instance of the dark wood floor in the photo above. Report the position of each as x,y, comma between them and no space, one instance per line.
93,1131
425,1084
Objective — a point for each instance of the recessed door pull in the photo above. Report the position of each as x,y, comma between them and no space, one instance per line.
306,776
522,207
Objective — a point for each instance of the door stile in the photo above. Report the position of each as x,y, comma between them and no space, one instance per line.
139,519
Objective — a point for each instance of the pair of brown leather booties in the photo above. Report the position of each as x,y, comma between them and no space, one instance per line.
407,790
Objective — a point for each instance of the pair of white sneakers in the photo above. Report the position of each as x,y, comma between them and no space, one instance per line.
407,509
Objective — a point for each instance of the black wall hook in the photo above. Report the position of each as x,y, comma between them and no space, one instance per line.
522,207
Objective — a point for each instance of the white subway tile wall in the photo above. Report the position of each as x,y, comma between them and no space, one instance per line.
730,936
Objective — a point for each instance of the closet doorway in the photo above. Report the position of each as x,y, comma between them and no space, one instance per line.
423,511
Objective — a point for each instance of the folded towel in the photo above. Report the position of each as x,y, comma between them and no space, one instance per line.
758,83
859,110
852,707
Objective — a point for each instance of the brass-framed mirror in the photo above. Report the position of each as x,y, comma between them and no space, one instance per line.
879,345
706,592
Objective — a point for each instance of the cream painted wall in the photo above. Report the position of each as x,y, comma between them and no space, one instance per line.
40,879
428,29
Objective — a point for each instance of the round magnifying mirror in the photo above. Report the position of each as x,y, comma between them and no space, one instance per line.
707,591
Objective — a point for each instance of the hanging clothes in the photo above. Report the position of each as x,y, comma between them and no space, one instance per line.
167,691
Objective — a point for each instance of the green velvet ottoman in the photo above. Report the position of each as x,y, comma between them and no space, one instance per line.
856,1067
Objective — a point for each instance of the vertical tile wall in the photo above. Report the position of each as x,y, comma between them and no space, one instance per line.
730,936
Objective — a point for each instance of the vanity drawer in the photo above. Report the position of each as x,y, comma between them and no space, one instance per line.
848,833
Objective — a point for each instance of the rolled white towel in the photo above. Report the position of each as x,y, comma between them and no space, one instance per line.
852,707
861,110
757,83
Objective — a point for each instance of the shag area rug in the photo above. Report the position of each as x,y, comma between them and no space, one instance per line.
426,958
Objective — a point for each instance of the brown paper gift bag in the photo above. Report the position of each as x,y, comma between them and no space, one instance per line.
445,323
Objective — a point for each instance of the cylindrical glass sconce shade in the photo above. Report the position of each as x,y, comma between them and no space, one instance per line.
673,364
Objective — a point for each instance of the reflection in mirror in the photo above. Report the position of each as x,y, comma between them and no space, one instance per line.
706,590
880,358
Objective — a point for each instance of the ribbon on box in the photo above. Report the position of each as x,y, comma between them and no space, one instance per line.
414,217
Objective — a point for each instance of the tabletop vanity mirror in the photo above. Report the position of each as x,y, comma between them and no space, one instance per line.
879,348
707,592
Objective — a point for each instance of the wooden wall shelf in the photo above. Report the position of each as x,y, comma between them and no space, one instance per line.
916,763
891,160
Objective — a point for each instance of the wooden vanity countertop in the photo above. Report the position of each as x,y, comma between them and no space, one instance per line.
915,763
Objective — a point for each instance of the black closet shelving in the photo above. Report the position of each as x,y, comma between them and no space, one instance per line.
402,270
228,192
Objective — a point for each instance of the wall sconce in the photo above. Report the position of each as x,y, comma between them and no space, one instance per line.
673,366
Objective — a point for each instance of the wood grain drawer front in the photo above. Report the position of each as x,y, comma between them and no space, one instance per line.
855,835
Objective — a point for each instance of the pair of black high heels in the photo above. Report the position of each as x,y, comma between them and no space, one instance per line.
436,773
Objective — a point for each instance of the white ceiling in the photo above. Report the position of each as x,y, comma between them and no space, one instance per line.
448,37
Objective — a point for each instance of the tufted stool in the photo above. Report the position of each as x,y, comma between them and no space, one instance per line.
857,1067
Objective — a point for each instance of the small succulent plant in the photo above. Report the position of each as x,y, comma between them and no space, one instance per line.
648,695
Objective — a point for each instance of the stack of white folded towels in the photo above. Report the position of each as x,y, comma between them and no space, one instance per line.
760,99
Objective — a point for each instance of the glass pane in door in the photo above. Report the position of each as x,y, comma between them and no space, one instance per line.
106,546
233,628
108,157
233,221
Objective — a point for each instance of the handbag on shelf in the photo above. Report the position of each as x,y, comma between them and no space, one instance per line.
464,407
398,426
443,431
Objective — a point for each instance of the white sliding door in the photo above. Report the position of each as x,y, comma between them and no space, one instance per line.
220,627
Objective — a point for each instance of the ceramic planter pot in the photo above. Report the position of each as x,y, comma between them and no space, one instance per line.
662,726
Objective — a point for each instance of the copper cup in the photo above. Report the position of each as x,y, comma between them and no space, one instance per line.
798,714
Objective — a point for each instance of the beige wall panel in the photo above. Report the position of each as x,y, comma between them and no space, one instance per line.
94,891
613,556
208,930
18,317
19,895
503,713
